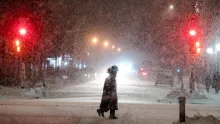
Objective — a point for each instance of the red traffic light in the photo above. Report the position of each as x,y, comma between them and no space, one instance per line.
22,31
192,32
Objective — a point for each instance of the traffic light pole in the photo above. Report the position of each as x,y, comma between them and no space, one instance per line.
18,69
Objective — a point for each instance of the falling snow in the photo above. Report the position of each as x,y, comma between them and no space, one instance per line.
61,50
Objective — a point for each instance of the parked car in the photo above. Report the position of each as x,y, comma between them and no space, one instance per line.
165,77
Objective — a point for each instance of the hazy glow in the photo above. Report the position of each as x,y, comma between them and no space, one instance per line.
95,40
106,43
171,7
209,51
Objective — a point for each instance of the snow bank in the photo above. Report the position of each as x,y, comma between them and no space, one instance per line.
200,94
37,91
176,93
200,120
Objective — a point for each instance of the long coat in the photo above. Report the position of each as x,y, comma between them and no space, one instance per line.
216,81
109,96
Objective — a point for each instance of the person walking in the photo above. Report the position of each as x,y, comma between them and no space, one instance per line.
216,82
217,85
208,82
109,97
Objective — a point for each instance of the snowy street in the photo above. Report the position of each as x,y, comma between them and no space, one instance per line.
130,90
65,112
139,102
146,62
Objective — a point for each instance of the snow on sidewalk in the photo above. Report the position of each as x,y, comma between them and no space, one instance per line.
46,111
178,92
200,120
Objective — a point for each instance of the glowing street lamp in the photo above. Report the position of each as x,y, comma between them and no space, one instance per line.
171,7
95,40
119,49
106,44
113,47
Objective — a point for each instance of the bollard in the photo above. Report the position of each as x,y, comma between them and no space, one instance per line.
182,102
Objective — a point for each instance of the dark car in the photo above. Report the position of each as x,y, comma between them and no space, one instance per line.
164,77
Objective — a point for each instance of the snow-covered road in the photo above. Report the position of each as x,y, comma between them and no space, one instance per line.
130,90
77,104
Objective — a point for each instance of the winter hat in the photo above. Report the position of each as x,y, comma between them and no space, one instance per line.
112,69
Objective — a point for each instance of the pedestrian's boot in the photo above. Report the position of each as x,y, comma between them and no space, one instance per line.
100,112
112,115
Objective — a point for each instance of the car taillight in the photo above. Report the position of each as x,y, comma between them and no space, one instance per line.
144,73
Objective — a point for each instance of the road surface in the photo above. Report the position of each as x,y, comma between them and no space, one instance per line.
130,90
140,102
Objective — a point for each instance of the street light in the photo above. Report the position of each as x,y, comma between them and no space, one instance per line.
106,44
95,40
119,49
113,47
209,51
171,7
88,54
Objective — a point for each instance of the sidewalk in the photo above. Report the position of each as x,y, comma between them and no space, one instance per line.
61,111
